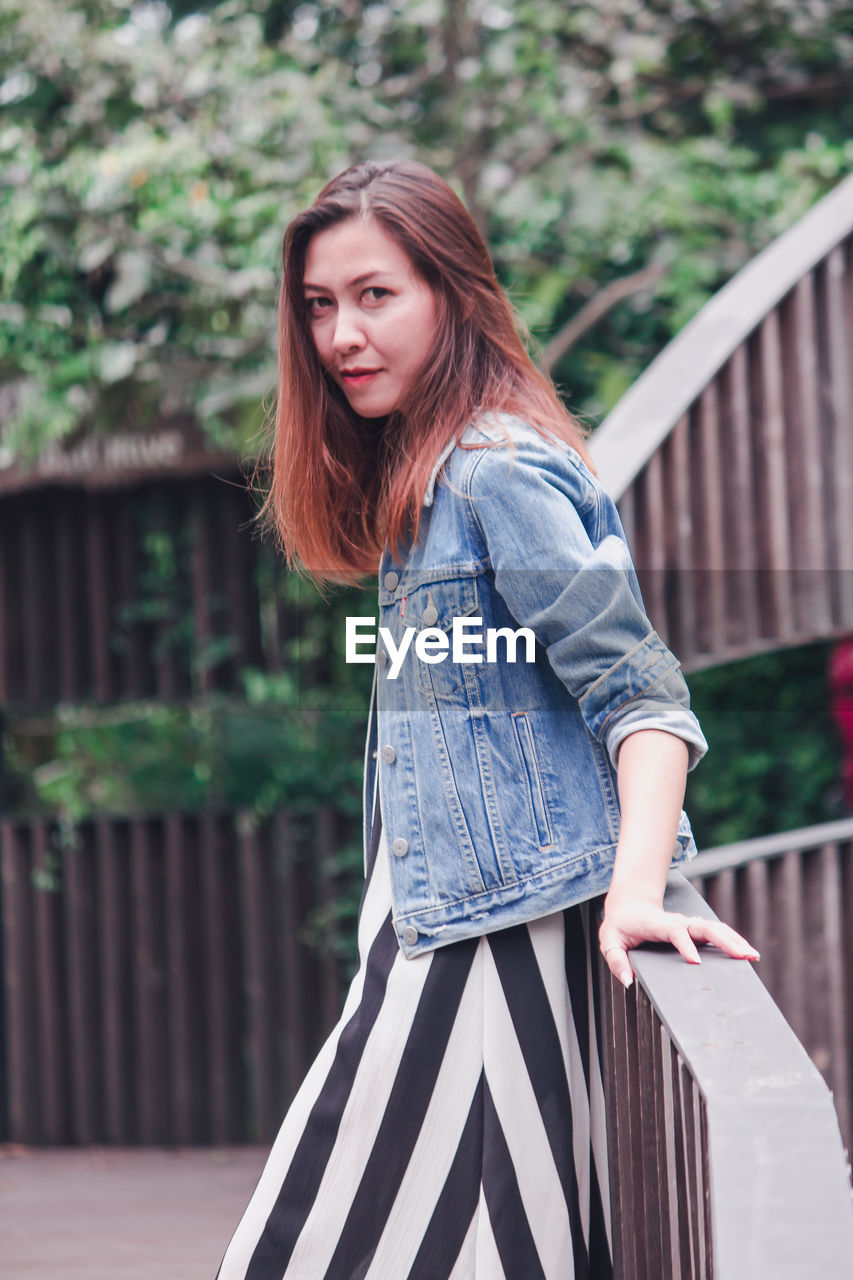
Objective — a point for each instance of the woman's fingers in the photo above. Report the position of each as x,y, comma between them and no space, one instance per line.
682,940
722,936
618,964
657,925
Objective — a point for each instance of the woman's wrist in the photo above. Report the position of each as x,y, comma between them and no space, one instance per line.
620,896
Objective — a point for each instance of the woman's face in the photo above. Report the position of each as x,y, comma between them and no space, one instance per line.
373,320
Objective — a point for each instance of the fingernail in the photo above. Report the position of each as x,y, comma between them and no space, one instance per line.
626,979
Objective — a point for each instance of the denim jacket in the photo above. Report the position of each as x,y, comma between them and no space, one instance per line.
497,778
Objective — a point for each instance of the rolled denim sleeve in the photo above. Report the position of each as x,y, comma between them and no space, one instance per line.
561,563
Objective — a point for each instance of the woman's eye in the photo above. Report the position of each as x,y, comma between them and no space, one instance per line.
316,305
375,293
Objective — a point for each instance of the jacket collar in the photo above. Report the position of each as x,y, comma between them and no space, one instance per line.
440,461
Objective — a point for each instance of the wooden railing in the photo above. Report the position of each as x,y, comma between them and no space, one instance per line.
792,896
157,987
731,457
724,1150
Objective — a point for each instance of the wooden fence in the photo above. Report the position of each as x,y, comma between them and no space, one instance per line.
157,590
724,1150
732,455
156,979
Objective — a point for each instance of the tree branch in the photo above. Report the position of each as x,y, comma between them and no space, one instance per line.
593,310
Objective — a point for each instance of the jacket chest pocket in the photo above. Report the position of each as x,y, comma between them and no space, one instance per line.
434,618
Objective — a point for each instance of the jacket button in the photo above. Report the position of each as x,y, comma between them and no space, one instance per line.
373,754
410,935
390,580
400,847
430,615
389,755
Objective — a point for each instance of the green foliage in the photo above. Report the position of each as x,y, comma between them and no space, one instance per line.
278,747
774,758
150,159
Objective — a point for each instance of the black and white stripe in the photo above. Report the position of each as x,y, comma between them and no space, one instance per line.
452,1126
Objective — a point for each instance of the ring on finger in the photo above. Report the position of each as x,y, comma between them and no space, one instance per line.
614,946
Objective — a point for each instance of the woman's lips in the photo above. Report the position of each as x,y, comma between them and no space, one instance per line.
358,377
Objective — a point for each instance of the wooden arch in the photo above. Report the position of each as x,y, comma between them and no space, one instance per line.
731,457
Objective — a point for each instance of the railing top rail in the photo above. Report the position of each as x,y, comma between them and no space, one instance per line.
649,410
740,852
779,1187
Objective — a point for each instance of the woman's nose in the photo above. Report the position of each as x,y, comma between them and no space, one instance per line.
349,333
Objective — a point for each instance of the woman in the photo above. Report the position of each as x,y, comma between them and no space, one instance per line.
529,740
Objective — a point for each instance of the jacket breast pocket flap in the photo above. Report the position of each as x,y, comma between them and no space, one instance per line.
433,602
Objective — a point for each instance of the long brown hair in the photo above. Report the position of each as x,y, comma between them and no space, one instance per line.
342,486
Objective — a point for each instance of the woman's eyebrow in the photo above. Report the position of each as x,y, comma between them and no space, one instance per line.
366,275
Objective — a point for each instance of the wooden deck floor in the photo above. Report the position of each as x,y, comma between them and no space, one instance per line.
97,1214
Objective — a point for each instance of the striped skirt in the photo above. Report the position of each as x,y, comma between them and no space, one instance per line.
452,1126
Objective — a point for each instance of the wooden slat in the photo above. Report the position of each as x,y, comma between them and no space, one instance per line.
657,1142
837,979
626,1197
326,843
84,1028
149,1032
654,561
114,981
688,1118
666,1135
838,390
133,665
178,915
713,473
679,1216
685,640
21,1053
53,1099
259,981
846,909
705,1197
740,523
792,945
641,1225
68,605
758,928
99,619
294,986
28,604
720,892
650,1180
806,475
216,1008
772,473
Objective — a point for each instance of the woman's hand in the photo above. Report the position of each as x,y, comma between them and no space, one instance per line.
629,921
651,772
